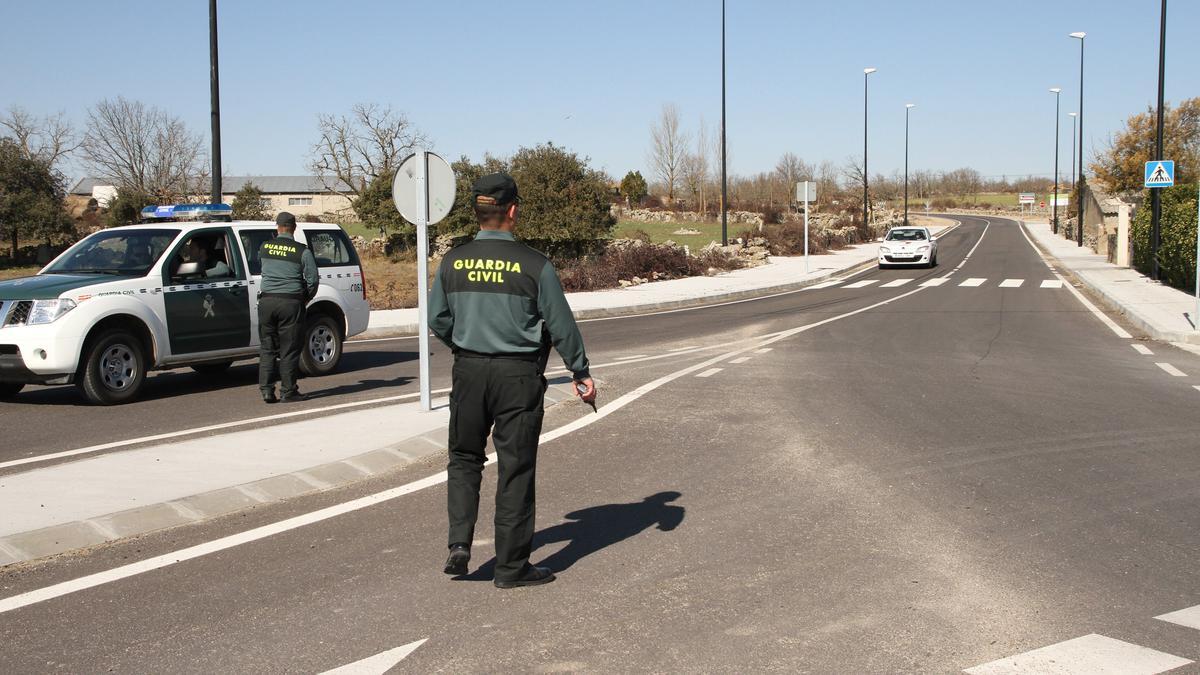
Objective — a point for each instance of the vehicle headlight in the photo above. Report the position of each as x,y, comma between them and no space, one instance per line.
884,249
49,311
923,249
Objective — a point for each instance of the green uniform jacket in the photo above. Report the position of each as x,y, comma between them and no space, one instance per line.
288,268
497,296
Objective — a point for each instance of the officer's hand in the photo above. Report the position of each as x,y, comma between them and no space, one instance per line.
586,389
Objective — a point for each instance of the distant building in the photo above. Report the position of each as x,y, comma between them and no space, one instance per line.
300,195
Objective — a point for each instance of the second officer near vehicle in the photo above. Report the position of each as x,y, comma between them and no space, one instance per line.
498,305
289,281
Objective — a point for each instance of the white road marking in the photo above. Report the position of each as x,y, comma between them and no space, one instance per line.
826,284
1196,387
973,282
861,284
740,359
764,350
1141,349
262,532
1091,655
354,341
1112,325
679,349
1011,283
1171,370
1052,283
896,284
935,282
1188,618
378,664
986,224
710,372
626,358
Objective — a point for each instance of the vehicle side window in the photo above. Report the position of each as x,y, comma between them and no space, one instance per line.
331,248
210,251
251,241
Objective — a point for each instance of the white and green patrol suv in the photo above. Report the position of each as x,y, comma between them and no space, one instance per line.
162,295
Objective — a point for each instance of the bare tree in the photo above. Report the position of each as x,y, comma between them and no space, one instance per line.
143,149
47,139
356,149
791,169
668,146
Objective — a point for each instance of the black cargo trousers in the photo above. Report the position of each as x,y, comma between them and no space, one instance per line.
280,324
502,395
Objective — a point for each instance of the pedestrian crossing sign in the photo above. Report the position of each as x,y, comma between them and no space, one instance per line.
1160,173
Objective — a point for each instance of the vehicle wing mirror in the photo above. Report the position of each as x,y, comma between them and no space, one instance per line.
188,269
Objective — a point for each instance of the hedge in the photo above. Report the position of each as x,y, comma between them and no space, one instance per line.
1177,243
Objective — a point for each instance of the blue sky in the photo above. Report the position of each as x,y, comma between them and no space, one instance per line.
492,76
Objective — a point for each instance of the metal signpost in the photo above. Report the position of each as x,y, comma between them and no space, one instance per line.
423,191
806,191
1026,198
1196,321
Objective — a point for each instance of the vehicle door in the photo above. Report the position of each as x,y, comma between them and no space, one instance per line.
206,293
251,239
339,267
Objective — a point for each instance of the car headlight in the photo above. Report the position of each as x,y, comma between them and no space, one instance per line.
49,311
923,249
884,249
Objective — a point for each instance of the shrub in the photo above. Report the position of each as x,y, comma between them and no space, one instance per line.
648,261
772,214
1177,244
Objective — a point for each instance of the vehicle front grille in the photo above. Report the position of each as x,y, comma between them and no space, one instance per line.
18,312
904,259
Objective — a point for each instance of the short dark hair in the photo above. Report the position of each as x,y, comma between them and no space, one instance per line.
491,214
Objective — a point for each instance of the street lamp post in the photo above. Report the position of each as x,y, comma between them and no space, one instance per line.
907,108
866,191
1072,116
1079,222
215,95
1156,193
1057,91
724,175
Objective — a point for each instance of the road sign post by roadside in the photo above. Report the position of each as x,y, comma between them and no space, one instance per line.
1196,316
1026,199
1160,173
423,191
806,191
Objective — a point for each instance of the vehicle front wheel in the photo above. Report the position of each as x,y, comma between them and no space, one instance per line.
322,347
212,369
10,389
114,368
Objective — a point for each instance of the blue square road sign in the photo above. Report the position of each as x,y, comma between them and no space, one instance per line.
1160,173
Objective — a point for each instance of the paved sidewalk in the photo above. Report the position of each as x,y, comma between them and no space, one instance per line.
1164,313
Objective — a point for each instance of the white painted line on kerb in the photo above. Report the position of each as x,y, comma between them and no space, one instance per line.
896,283
935,282
1012,283
1112,325
973,282
861,284
1171,370
1085,655
378,664
1188,618
740,360
1052,283
710,372
1142,349
192,552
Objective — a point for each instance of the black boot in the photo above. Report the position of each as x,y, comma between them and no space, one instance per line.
456,563
532,576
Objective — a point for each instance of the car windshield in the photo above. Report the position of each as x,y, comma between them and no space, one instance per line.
119,251
906,235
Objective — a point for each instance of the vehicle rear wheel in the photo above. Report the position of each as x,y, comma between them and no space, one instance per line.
212,369
114,368
10,389
322,347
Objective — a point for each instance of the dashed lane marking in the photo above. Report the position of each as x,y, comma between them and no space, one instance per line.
764,350
1171,370
1052,283
740,360
896,284
861,284
1142,349
680,349
1088,655
710,372
1012,283
973,282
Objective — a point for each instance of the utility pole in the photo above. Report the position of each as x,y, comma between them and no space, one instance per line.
215,95
1156,193
724,174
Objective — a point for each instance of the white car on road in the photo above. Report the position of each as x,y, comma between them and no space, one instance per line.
166,294
908,245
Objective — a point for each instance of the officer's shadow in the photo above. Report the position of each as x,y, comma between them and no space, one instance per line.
596,528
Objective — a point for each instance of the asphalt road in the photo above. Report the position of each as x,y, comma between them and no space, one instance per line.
904,479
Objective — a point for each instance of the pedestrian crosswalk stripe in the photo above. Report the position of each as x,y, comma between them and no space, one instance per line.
740,359
895,284
826,284
861,284
1052,283
1142,349
1088,654
935,282
973,282
1189,618
1011,283
1171,370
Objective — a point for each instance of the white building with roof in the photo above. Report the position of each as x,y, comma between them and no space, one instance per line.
300,195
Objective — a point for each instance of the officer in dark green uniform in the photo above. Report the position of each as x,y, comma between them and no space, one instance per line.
289,281
498,305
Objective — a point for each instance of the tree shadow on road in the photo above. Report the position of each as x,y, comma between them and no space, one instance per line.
596,528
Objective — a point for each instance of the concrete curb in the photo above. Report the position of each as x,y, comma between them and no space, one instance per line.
1114,304
65,537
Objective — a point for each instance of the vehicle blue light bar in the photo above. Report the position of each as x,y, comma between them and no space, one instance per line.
187,211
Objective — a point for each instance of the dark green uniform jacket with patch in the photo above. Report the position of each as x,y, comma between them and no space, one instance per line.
496,296
288,268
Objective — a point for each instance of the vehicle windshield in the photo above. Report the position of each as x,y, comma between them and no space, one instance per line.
118,251
906,235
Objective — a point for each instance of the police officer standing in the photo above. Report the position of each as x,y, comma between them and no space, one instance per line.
498,305
289,281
